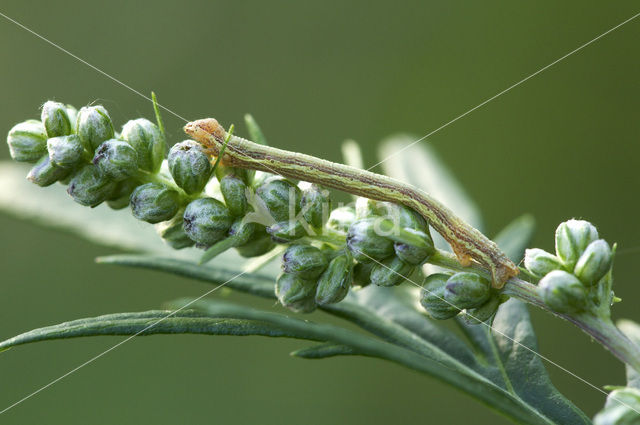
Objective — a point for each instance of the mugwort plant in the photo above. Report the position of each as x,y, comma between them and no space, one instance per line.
374,262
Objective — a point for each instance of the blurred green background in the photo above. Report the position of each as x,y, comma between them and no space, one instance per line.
564,144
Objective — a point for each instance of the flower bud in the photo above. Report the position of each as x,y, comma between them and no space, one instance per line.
315,205
305,261
207,220
120,196
146,139
362,274
44,173
72,114
27,141
467,290
366,208
365,244
190,166
286,231
259,244
116,159
413,254
172,232
234,193
243,232
65,151
334,283
594,262
55,119
563,292
341,219
281,198
390,272
89,187
432,297
478,315
539,262
401,216
572,238
296,293
93,126
154,202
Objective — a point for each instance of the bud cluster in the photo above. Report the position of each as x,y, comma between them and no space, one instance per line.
570,280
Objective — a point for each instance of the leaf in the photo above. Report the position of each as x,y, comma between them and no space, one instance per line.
322,351
420,166
516,236
632,330
509,346
252,283
152,322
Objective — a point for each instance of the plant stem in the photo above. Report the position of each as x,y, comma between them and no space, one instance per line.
599,327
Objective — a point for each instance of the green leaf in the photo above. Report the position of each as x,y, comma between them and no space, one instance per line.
508,347
153,322
252,283
632,330
323,351
255,132
420,166
516,236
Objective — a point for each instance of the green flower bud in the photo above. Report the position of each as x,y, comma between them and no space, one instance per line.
146,139
286,231
172,232
234,193
120,196
281,198
621,408
467,290
390,272
432,297
154,202
89,187
259,244
366,208
55,119
315,205
362,274
65,151
594,262
364,242
190,166
572,238
207,221
563,292
72,114
305,261
334,283
242,173
402,216
27,141
539,262
44,173
341,219
478,315
116,159
412,254
296,293
93,126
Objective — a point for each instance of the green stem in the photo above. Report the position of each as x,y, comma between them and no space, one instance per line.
599,327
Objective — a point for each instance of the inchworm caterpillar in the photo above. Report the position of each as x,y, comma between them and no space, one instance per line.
467,242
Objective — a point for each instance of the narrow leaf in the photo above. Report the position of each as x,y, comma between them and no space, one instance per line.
516,236
322,351
255,132
632,330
